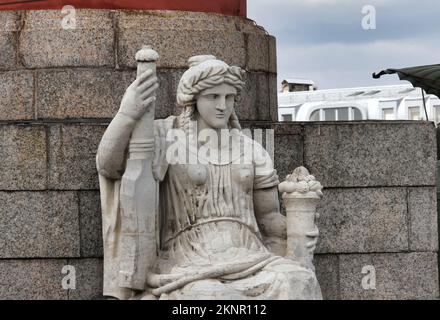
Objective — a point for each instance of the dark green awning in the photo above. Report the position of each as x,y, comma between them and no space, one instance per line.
425,77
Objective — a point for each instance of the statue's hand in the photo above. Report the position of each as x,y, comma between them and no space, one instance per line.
139,96
313,236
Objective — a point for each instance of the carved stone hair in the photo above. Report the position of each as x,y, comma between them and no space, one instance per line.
205,72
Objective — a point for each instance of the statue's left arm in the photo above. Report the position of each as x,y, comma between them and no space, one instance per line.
271,222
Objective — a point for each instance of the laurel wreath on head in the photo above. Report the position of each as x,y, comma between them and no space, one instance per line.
208,78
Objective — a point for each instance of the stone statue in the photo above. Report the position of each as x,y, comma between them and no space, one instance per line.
211,228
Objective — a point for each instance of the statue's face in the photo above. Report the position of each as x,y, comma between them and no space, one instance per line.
216,104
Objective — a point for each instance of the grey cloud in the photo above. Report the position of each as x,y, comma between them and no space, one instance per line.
351,65
340,21
323,39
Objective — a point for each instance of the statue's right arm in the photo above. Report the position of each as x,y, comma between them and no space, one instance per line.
111,150
138,97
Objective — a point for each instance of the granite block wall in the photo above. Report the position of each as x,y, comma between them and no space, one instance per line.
60,88
379,207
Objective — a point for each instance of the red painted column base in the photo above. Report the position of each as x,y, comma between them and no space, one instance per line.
226,7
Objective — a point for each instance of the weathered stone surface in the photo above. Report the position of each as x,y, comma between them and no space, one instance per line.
39,224
398,276
9,25
257,48
176,47
288,155
287,128
363,220
288,148
16,95
80,93
88,279
254,102
422,206
44,42
10,21
32,279
273,97
176,36
97,93
166,94
272,54
23,153
327,272
72,156
90,224
183,20
8,43
370,154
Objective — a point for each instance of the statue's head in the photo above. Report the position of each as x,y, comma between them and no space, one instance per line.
209,89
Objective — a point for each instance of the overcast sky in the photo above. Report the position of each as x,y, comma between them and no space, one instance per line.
323,40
